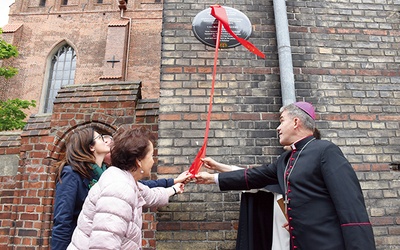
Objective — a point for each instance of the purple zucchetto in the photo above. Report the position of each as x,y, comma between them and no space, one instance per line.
306,107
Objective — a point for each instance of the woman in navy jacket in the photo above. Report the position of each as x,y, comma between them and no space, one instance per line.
75,175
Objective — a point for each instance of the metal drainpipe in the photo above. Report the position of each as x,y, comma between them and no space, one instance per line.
129,44
284,52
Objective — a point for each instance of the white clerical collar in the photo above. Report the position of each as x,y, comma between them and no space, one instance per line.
293,146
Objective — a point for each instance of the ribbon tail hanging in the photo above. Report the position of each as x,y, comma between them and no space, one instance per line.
219,13
197,163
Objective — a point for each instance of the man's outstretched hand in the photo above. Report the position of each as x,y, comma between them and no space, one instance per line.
204,178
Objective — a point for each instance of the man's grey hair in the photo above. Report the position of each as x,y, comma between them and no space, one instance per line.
294,111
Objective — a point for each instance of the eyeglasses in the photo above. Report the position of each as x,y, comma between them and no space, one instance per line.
103,137
97,137
107,137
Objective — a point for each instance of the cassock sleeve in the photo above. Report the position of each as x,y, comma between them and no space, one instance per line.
245,179
344,188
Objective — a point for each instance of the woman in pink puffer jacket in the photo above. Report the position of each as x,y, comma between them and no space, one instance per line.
111,217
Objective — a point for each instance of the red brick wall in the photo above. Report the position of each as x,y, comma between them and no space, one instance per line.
84,26
9,145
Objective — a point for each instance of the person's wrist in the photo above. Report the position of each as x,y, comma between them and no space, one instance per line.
174,191
215,178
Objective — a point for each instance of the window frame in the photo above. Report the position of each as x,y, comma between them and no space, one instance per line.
58,72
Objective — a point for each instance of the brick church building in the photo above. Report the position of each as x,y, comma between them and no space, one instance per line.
137,63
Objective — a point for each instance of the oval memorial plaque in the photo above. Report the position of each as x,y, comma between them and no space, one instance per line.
205,28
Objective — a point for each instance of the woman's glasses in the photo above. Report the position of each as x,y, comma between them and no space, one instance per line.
107,137
103,137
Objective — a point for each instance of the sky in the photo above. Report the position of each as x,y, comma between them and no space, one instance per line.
4,9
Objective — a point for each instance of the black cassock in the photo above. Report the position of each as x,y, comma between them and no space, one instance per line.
326,207
255,221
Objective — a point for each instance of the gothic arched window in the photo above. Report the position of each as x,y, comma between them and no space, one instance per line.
62,73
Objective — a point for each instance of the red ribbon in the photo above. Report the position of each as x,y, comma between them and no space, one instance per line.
196,165
219,13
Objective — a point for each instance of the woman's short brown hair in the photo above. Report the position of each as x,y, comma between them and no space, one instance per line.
130,145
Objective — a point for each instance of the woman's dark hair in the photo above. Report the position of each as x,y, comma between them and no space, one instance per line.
130,145
77,152
317,134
